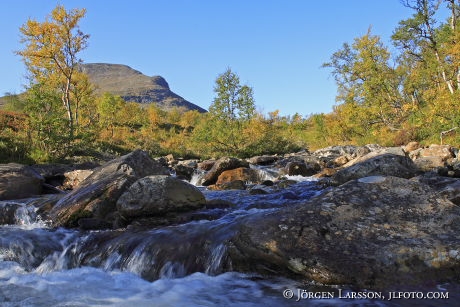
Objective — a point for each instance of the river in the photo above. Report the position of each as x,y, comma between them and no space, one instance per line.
181,265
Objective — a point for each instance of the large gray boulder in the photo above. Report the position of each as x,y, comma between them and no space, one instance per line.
374,232
387,164
19,181
159,195
97,195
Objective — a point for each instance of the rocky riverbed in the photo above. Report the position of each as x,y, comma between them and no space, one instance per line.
362,216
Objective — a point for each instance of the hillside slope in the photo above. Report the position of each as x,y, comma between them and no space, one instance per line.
134,86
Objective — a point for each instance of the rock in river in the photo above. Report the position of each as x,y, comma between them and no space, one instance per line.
97,195
373,232
19,181
158,195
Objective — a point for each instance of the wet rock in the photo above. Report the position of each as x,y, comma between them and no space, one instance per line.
158,195
383,164
263,160
8,212
183,171
230,185
374,232
242,173
97,195
301,168
206,165
19,181
221,165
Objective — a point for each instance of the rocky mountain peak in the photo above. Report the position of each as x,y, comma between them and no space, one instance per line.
134,86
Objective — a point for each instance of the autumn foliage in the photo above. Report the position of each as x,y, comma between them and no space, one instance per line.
389,96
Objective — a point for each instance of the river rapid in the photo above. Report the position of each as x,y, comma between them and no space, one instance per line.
182,265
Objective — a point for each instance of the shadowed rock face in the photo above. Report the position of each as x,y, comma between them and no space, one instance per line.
371,232
133,86
19,181
97,195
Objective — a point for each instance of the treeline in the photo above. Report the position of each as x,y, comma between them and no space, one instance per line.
113,126
390,96
404,93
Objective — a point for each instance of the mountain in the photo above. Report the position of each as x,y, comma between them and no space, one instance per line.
134,86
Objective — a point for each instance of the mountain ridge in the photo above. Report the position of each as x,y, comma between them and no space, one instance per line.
134,86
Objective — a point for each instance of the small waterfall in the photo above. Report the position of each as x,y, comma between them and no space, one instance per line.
266,172
197,177
216,260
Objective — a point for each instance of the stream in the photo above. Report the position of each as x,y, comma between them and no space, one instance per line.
180,265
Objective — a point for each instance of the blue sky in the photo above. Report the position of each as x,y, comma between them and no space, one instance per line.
276,47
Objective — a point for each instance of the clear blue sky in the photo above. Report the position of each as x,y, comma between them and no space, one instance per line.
276,47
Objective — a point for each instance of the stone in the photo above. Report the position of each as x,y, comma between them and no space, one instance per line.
158,195
244,174
74,178
221,165
341,160
206,165
19,181
295,168
442,151
382,164
429,163
375,232
411,146
97,195
231,185
184,171
263,160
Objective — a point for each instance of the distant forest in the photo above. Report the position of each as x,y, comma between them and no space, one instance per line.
389,98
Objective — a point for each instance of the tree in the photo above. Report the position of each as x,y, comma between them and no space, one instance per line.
51,58
233,101
369,85
430,50
232,109
108,107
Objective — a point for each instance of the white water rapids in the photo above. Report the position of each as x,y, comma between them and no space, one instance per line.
42,267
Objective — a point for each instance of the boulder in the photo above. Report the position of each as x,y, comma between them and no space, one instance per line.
430,163
242,173
74,178
183,171
158,195
206,165
341,160
411,146
263,160
445,152
8,212
383,164
97,195
221,165
301,168
229,185
444,186
19,181
350,151
55,173
375,232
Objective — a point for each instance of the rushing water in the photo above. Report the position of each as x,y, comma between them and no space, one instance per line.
182,265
